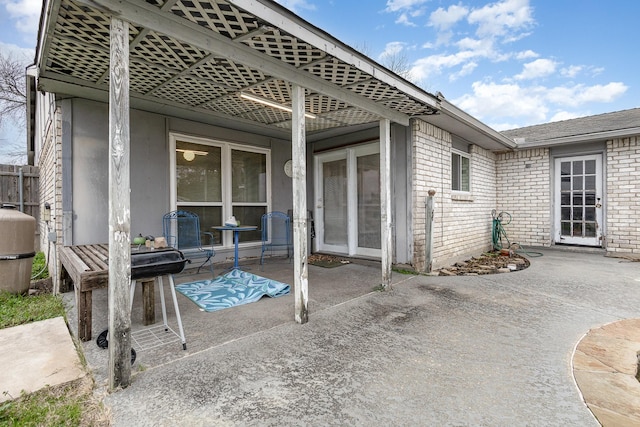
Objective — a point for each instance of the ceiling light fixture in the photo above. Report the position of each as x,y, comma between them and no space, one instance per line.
273,104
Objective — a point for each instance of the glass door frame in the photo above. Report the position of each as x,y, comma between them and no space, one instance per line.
350,154
559,238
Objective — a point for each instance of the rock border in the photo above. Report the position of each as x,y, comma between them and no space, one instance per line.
487,263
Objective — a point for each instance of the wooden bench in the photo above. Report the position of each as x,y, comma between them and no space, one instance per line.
88,268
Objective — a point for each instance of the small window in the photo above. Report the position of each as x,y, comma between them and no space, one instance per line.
460,172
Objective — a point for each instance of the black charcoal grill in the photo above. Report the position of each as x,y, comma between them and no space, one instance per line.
156,262
151,264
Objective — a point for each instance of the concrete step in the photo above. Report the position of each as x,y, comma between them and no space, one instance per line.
36,355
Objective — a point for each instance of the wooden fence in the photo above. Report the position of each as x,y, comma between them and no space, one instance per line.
17,181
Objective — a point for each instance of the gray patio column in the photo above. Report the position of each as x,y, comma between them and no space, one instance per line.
119,209
385,201
299,156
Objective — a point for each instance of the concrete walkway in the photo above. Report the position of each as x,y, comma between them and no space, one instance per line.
488,350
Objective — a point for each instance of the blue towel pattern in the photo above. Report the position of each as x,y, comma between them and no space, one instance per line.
231,289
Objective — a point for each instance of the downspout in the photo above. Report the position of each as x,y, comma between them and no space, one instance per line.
428,236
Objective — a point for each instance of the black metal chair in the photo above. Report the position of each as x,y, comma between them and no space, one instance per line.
276,234
182,231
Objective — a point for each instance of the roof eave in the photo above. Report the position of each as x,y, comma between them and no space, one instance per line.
576,139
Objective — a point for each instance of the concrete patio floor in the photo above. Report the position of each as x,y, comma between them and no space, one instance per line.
485,350
328,287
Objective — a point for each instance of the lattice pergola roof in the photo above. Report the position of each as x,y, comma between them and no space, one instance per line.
200,55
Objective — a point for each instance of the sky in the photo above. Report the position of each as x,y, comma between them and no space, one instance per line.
509,63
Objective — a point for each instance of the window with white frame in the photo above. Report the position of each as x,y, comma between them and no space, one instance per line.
460,171
216,179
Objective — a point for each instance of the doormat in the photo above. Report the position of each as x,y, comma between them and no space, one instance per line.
234,288
327,261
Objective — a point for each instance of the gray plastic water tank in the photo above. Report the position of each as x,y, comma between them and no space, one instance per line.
17,235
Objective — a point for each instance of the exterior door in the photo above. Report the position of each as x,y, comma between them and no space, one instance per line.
347,205
578,200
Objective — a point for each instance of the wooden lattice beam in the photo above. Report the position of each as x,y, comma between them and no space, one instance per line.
150,17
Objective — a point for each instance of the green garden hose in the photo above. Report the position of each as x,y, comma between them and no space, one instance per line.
499,234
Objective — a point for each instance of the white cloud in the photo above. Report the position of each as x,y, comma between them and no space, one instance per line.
297,5
504,126
494,23
576,95
571,71
464,71
467,58
536,69
498,101
566,115
17,52
26,14
493,102
398,5
392,48
527,54
434,64
482,48
503,18
444,19
403,19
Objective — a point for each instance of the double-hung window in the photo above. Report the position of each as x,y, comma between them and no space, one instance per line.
217,179
460,171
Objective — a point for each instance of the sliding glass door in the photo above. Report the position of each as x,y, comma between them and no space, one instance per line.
347,208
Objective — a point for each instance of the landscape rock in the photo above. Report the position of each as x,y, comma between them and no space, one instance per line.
487,263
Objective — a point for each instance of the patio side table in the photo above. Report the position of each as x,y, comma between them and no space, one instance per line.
236,232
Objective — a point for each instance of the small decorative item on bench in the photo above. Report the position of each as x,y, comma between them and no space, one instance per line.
139,240
159,243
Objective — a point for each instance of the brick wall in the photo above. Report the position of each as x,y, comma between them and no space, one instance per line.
623,196
50,161
524,191
462,223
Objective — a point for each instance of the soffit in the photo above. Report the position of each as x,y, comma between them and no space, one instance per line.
207,53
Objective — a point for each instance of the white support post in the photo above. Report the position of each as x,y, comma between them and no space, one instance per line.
429,207
385,201
299,156
119,209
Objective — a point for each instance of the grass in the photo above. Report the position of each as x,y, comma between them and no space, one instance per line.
72,404
39,267
48,407
20,309
405,271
